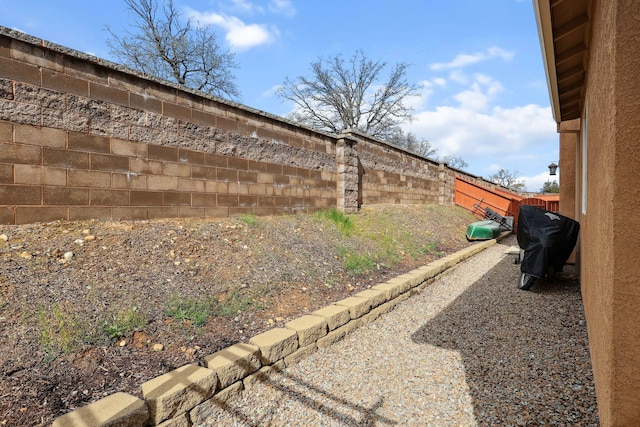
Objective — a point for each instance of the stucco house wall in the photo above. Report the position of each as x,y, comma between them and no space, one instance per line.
610,271
605,187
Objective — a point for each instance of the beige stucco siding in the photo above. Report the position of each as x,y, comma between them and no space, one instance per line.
610,228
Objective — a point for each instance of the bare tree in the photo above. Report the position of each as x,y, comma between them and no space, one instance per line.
174,49
411,143
455,161
509,179
424,148
347,94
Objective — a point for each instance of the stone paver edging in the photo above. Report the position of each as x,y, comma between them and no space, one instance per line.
187,394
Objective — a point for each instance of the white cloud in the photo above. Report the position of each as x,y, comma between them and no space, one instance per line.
470,123
282,7
245,7
499,135
479,94
270,92
419,101
492,168
464,59
536,182
239,35
439,81
458,76
472,100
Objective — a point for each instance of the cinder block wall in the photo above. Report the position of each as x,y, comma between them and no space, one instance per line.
84,138
392,176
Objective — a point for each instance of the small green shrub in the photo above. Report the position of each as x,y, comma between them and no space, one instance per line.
59,330
198,311
342,221
195,311
125,321
428,248
234,303
250,219
417,251
355,263
389,257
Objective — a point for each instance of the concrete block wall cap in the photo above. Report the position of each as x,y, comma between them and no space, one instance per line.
357,306
486,244
178,391
300,354
234,363
454,257
228,392
483,245
420,275
331,338
376,296
275,344
476,248
262,375
443,263
464,254
309,329
429,271
305,321
403,282
118,409
378,311
412,278
352,326
204,413
334,315
391,290
335,336
468,251
402,297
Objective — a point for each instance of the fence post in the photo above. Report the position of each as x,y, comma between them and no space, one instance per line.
348,178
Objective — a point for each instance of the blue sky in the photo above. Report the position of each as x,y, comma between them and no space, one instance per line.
484,95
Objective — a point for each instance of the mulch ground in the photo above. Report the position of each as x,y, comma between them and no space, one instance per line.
91,308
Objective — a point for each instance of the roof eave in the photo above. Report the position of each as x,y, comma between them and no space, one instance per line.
545,33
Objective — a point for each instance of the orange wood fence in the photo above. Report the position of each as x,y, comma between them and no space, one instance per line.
476,198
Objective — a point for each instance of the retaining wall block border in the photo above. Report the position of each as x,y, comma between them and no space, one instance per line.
276,349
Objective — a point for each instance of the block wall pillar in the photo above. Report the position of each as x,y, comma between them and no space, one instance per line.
348,178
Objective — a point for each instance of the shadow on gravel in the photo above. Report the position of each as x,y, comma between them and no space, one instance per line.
525,354
316,398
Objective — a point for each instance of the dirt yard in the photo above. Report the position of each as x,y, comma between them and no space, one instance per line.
91,308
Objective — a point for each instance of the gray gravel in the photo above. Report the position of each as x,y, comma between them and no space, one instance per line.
471,349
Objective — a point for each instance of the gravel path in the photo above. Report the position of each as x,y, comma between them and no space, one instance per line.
471,349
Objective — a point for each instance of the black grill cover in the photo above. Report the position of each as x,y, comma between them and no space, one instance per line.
547,239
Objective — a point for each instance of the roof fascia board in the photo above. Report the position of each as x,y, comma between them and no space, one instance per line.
542,10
